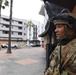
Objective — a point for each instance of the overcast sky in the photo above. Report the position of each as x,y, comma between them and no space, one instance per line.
25,9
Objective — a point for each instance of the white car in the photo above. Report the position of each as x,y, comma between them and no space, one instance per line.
12,45
4,45
30,44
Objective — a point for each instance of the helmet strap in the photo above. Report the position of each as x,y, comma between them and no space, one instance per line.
65,30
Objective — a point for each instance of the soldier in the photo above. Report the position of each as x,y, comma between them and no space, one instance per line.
63,58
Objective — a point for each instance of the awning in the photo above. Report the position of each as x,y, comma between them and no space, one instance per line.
41,12
69,4
45,32
48,29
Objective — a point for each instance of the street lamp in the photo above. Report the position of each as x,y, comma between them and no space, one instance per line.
9,39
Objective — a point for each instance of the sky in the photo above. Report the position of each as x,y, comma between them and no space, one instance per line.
25,9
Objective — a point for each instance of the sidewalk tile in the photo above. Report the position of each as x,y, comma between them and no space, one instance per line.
26,61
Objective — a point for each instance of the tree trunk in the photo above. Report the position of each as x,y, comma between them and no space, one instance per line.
10,23
0,10
0,13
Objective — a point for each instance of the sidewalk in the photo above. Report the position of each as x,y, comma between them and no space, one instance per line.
26,61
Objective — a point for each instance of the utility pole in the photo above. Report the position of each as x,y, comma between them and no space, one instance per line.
10,23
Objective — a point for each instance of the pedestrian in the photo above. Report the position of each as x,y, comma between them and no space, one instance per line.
63,58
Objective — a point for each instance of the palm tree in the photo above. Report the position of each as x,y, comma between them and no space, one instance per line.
9,41
30,25
3,4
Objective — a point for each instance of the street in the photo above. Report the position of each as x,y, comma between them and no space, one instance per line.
25,61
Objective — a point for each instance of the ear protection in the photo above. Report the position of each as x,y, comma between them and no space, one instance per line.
72,22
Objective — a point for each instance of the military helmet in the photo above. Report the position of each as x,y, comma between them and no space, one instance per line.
68,19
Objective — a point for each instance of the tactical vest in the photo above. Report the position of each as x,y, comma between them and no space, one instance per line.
68,60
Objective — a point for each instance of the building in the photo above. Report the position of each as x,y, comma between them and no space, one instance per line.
19,30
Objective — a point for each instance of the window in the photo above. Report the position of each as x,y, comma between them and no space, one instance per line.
19,22
5,25
24,23
5,32
19,33
12,33
5,19
20,28
24,33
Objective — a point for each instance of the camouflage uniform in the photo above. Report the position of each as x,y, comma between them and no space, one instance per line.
70,67
68,51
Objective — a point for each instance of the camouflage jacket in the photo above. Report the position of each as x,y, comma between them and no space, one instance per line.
68,62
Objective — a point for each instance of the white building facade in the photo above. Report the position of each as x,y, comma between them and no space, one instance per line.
19,29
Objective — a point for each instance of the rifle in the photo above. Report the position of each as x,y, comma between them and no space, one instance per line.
49,50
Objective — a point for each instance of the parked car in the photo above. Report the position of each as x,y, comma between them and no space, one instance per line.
14,46
33,45
30,44
36,45
5,45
